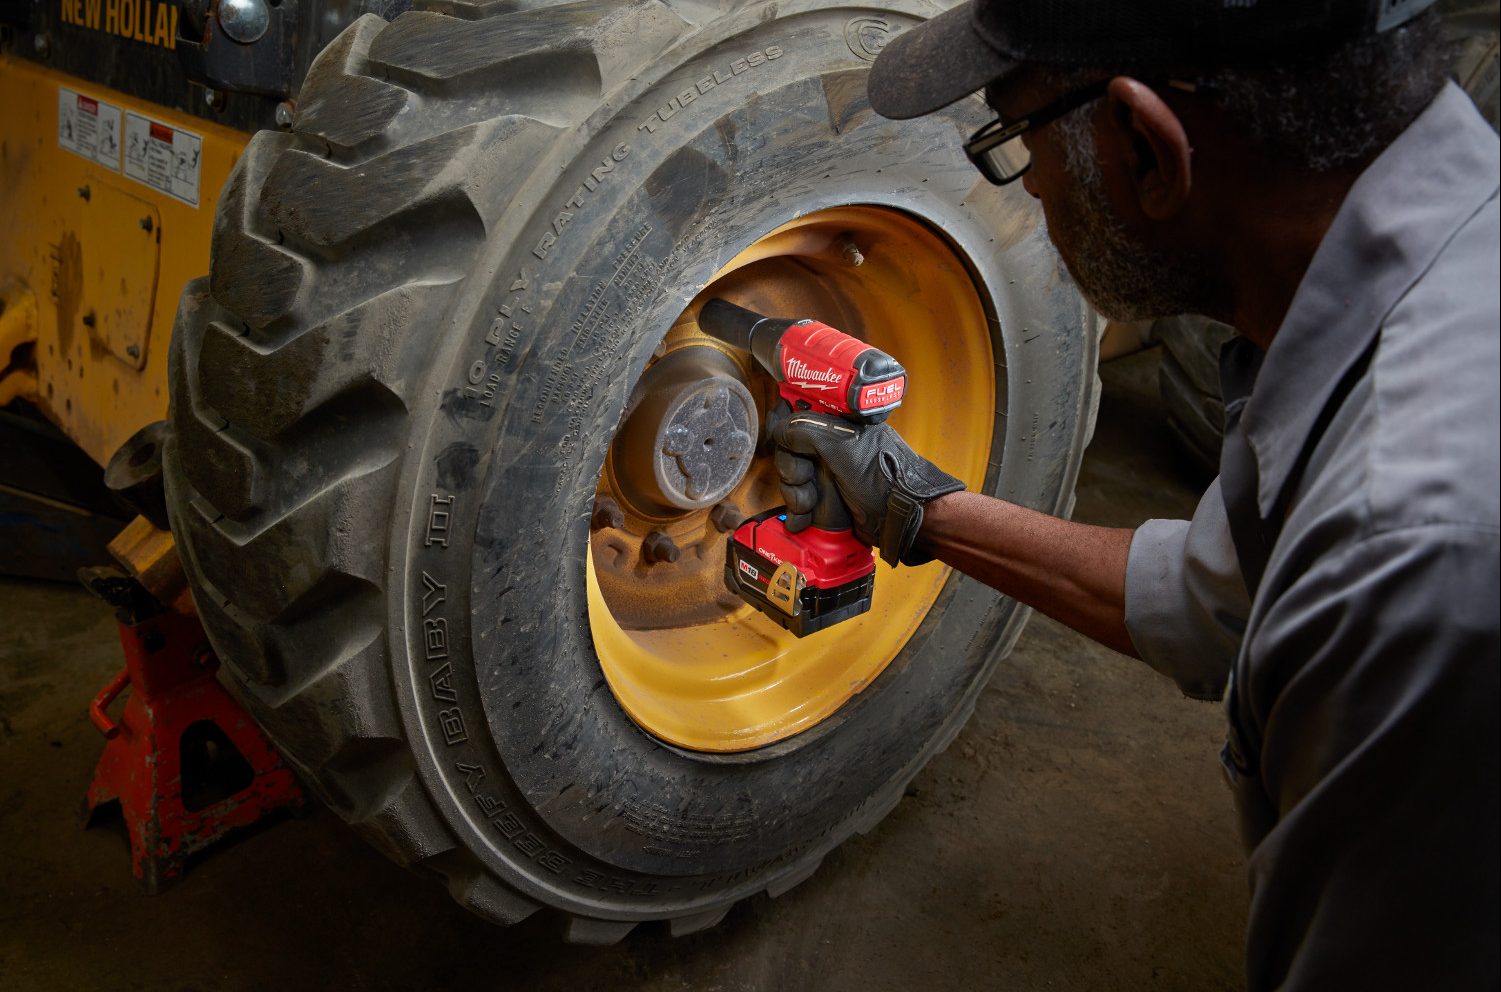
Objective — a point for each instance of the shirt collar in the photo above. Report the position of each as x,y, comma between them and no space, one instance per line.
1394,221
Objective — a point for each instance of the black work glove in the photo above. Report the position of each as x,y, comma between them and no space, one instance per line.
882,482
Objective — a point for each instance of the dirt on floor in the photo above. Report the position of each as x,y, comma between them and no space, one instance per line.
1076,835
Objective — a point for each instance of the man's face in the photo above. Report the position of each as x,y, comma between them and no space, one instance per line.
1122,276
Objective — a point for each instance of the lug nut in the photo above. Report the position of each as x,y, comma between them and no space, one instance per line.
658,547
285,113
606,514
851,253
725,517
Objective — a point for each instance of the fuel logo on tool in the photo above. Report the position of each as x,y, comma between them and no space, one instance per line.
879,394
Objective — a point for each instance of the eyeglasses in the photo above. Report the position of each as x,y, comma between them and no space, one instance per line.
999,152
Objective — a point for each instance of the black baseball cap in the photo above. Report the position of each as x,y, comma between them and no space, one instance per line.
960,51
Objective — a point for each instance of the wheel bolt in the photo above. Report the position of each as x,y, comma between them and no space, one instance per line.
606,514
658,547
725,516
851,253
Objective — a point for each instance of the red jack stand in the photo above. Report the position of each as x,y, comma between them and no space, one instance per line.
185,762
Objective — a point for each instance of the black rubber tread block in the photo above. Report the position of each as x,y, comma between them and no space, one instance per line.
365,775
478,892
328,207
250,273
345,106
599,43
682,926
195,426
437,250
793,879
348,707
244,477
596,933
406,827
276,568
266,392
248,480
475,10
233,632
323,204
335,619
330,708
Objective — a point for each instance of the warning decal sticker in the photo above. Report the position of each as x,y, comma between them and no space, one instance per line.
165,158
89,127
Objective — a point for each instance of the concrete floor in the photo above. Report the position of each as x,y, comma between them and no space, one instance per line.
1075,836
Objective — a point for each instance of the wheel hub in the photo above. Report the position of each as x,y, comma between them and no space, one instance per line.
690,435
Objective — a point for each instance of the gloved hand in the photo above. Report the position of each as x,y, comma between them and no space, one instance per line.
884,483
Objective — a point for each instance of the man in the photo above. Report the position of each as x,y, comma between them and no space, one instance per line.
1303,171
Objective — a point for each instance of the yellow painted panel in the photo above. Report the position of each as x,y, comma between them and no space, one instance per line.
104,253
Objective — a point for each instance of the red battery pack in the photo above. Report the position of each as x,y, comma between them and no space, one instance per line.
805,583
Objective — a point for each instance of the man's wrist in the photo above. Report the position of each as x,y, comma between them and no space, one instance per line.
937,519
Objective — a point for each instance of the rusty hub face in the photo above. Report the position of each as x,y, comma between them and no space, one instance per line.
688,438
683,470
687,659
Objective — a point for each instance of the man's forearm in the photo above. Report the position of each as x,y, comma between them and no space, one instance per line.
1075,573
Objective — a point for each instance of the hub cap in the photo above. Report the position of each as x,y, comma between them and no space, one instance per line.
688,439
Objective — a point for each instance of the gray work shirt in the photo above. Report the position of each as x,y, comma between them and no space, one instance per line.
1363,745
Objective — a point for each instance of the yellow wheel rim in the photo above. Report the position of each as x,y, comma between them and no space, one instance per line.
689,662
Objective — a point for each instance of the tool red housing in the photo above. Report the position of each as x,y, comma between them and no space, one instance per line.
828,370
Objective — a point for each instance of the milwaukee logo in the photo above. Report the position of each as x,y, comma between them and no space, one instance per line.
795,367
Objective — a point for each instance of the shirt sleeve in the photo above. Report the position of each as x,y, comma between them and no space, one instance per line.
1372,696
1186,603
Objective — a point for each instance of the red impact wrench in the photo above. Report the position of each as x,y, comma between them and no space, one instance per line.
823,574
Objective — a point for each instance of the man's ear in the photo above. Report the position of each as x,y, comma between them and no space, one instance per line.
1155,147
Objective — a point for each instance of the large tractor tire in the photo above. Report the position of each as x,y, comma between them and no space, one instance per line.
430,477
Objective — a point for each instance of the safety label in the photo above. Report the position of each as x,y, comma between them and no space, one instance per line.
89,127
165,158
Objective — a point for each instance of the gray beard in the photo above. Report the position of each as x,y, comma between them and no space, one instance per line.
1123,280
